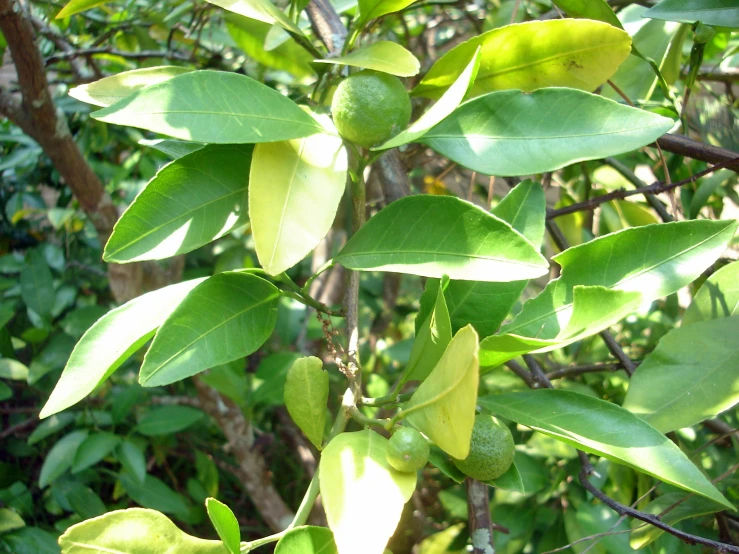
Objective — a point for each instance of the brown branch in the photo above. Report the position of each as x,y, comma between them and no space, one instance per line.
478,507
87,52
684,146
582,369
327,25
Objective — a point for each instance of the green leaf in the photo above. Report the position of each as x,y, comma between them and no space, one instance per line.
434,236
52,425
134,531
513,133
167,420
94,448
718,296
261,10
524,208
441,542
173,148
60,457
295,190
111,341
691,376
76,6
388,57
31,540
598,10
154,494
109,90
307,540
132,459
431,341
189,203
225,318
449,102
443,406
13,369
573,53
212,106
37,284
358,486
5,391
80,498
606,430
655,260
372,9
721,13
306,397
680,508
10,520
226,524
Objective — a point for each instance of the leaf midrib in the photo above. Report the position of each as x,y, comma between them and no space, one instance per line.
540,138
435,253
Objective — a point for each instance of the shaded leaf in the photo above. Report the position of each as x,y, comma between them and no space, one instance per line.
110,342
604,429
573,53
60,457
441,235
37,284
384,55
189,203
598,10
226,524
132,459
154,494
214,107
372,9
13,369
718,296
52,425
443,406
166,420
513,133
10,520
94,448
721,13
225,318
307,540
357,486
306,397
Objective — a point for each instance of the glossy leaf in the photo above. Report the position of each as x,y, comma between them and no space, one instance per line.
306,397
431,341
295,190
132,459
434,236
573,53
109,90
372,9
111,341
388,57
51,426
166,420
261,10
173,148
359,486
598,10
604,429
189,203
134,531
76,6
226,524
60,457
94,448
524,208
680,508
154,494
37,284
448,102
225,318
718,296
443,406
691,376
213,107
13,369
513,133
721,13
307,540
83,501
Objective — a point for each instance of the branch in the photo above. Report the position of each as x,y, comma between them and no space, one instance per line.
684,146
481,526
581,369
86,52
327,25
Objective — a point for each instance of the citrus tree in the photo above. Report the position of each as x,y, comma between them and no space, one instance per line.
574,99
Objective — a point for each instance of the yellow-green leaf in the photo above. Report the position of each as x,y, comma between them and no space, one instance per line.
574,53
443,406
77,6
372,9
294,191
261,10
362,495
306,395
384,55
109,90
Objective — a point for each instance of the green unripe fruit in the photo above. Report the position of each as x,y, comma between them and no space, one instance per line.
407,450
491,450
369,107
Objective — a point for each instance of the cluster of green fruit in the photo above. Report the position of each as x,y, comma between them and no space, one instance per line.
491,450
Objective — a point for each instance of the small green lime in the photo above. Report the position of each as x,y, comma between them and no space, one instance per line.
369,107
407,450
491,450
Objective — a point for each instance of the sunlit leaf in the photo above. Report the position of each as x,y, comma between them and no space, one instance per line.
307,540
111,341
718,296
574,53
514,133
261,10
76,6
358,486
134,531
226,524
721,13
109,90
443,406
388,57
442,235
372,9
602,428
294,192
306,397
225,318
213,107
